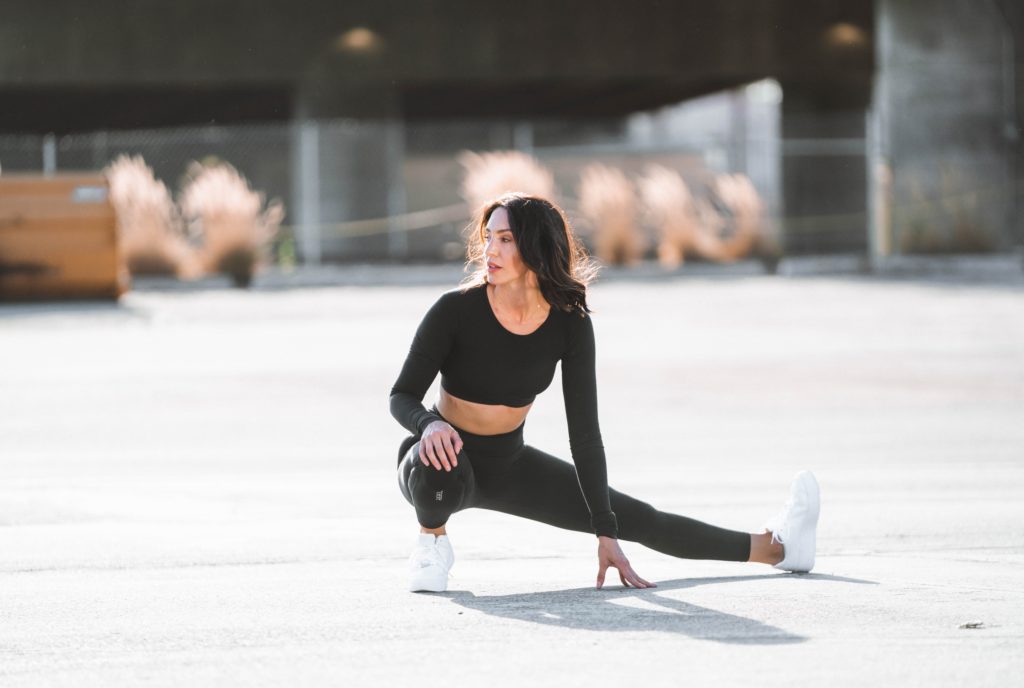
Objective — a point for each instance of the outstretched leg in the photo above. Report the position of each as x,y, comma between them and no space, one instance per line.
544,488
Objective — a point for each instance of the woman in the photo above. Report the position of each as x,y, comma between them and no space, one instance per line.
496,341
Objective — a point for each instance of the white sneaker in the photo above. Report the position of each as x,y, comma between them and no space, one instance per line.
796,525
430,562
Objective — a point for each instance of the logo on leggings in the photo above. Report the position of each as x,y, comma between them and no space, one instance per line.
439,495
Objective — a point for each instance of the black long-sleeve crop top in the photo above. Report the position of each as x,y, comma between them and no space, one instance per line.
462,338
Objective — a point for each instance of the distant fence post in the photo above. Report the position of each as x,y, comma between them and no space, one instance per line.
877,150
398,241
522,137
49,155
879,227
308,177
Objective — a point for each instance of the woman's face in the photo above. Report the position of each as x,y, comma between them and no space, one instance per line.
500,253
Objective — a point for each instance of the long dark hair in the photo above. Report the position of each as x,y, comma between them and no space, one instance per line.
546,245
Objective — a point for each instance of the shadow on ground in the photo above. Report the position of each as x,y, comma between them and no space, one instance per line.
632,609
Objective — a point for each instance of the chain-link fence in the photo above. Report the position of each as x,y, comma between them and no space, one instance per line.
357,190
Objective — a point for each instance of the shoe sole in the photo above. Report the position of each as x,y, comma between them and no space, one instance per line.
419,585
814,493
808,484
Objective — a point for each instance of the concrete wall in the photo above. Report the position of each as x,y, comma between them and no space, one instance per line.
944,160
1013,65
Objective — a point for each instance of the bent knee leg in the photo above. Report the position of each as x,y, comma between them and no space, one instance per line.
435,494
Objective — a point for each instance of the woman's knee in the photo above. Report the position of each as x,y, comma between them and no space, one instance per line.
460,468
422,484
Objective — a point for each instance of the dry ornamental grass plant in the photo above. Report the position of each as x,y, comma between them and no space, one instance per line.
489,175
609,202
149,226
688,224
670,206
230,218
738,194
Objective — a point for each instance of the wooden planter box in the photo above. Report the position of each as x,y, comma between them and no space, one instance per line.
58,238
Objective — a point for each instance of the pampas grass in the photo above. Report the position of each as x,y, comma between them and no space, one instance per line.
671,208
230,219
608,201
150,229
489,175
688,224
738,194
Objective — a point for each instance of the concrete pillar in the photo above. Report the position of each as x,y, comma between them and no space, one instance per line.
941,112
355,171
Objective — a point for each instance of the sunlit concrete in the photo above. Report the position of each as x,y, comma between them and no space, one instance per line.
198,489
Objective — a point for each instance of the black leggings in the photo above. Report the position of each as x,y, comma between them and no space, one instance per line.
501,473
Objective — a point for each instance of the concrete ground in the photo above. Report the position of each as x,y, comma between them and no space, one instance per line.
198,489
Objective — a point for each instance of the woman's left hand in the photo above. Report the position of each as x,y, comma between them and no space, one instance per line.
610,554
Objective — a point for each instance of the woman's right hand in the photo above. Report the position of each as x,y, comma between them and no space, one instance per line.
440,445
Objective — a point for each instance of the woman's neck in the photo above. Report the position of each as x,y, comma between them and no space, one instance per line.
518,301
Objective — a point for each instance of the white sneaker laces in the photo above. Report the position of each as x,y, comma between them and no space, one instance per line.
777,523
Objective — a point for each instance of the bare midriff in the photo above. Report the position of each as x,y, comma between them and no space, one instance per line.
481,419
